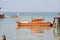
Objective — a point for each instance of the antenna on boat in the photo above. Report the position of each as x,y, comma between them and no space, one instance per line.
17,13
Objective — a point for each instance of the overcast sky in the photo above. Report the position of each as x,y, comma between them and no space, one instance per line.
30,5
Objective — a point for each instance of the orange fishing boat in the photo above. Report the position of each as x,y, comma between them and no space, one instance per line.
35,24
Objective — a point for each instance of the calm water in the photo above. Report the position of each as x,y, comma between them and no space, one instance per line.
27,16
8,27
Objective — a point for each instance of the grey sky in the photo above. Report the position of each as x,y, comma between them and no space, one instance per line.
30,5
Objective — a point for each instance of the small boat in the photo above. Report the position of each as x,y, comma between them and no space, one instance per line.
1,15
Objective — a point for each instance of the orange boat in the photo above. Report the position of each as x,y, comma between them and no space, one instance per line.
35,24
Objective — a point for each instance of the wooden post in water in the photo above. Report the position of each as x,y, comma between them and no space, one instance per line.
3,37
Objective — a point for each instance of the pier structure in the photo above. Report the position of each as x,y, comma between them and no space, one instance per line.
56,25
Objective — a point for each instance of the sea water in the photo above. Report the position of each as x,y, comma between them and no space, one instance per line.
8,27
